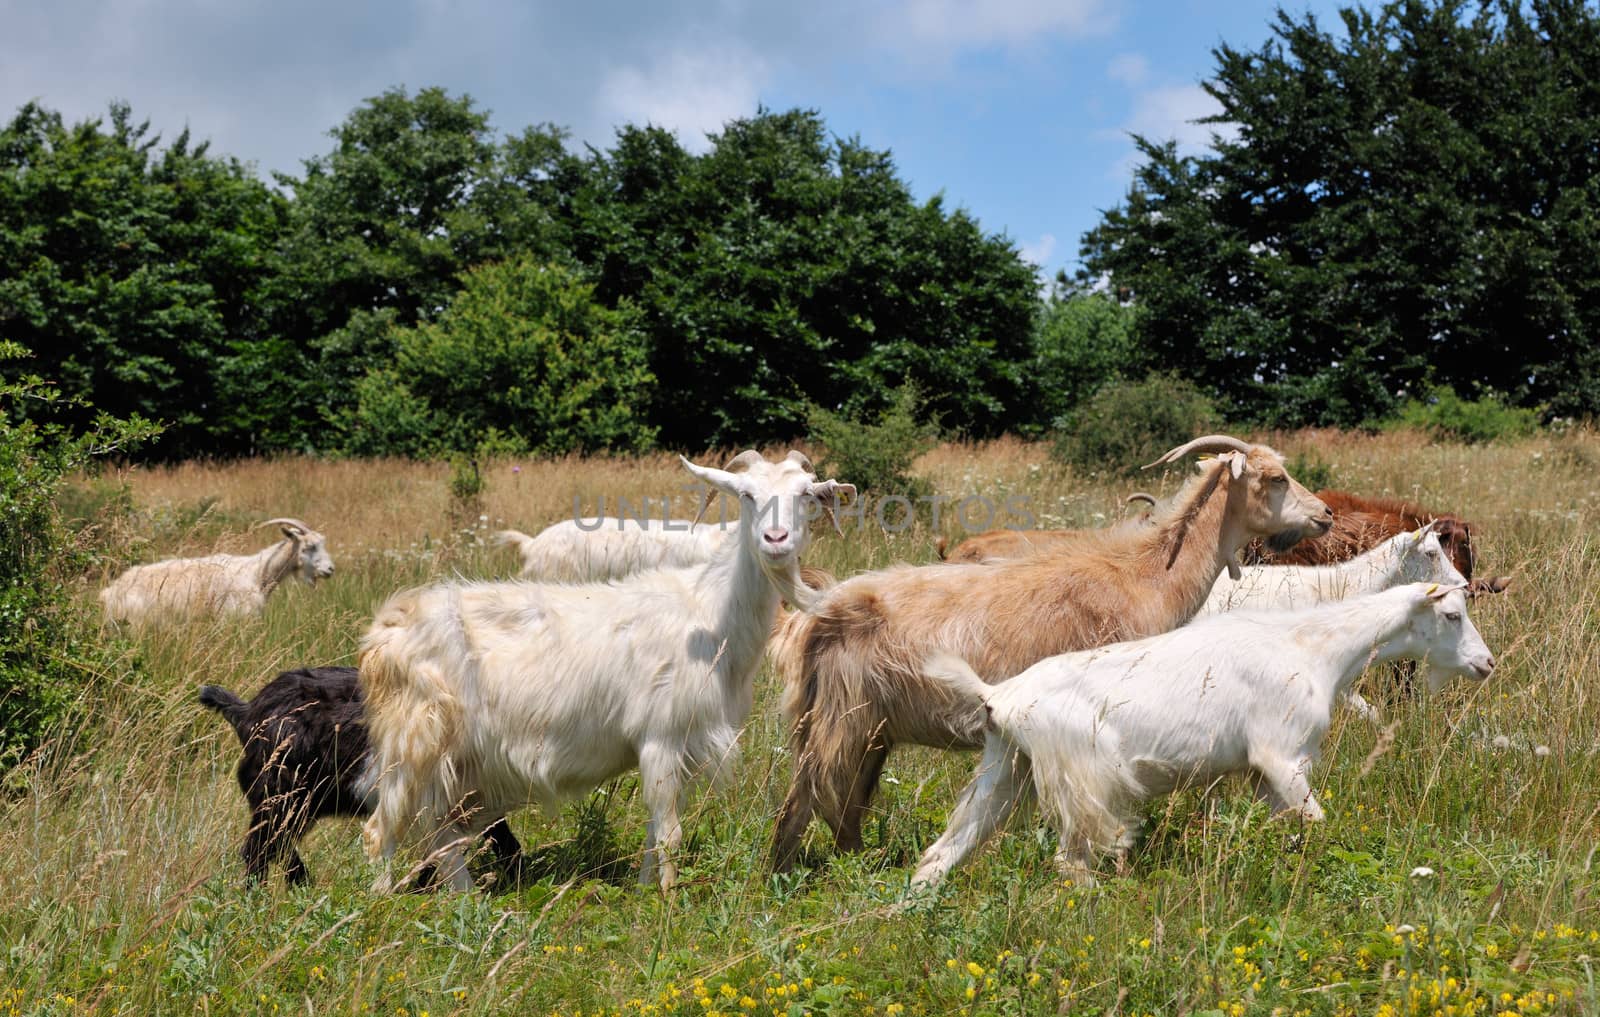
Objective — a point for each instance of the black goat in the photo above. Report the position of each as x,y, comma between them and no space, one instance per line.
306,757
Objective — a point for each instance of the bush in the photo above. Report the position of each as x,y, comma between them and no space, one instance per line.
47,648
876,456
1446,416
523,352
1129,423
1081,341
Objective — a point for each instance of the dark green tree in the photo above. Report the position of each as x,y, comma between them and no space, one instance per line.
415,191
783,268
1082,339
1412,204
127,270
522,359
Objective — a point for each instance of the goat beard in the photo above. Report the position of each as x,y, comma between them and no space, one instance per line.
1284,539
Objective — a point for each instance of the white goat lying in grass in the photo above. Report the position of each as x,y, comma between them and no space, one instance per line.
180,589
482,697
595,550
1249,693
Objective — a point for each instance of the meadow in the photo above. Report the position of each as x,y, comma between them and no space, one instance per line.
1454,875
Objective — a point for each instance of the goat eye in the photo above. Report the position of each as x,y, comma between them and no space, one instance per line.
1454,616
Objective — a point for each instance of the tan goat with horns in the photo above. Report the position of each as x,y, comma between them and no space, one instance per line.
851,664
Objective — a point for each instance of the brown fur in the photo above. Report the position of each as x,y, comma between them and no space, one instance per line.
852,668
1003,545
1360,524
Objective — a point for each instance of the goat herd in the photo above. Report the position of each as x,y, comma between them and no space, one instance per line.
1068,657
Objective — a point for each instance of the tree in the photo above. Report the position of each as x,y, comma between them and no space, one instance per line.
781,269
126,270
523,358
1082,339
414,192
1413,204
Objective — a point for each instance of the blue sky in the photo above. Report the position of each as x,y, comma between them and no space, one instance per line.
1017,110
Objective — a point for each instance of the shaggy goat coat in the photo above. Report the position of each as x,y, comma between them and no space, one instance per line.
1361,523
305,758
852,666
1247,693
483,697
179,589
596,550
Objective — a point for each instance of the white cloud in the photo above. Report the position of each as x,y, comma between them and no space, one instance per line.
1039,251
1128,68
960,24
692,94
1170,114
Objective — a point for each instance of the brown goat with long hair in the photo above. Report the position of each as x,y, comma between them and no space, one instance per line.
1360,524
852,664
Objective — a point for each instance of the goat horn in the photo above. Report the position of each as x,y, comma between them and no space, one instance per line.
797,456
282,522
743,461
1150,499
1208,443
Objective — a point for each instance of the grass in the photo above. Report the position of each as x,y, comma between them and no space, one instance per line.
122,890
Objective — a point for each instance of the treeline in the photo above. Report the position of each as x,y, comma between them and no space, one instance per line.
427,286
1408,208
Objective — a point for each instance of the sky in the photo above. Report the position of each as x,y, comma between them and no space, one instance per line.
1018,111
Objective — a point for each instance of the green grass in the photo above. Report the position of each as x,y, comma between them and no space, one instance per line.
122,891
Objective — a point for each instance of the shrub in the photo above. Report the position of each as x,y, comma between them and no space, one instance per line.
876,456
1126,424
1446,416
1081,340
1311,470
523,352
47,647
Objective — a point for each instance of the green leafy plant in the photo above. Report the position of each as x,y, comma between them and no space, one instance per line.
1129,423
1445,415
876,453
47,651
524,353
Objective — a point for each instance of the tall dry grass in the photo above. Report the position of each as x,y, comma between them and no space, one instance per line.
121,890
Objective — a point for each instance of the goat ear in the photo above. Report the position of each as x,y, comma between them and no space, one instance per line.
1236,464
1493,584
1438,591
830,495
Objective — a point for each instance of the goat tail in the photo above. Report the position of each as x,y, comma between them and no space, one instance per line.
511,538
232,708
414,719
942,545
958,679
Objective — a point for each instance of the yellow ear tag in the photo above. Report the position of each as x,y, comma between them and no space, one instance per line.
1435,586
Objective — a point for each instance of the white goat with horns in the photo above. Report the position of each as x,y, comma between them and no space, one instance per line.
180,589
483,697
1247,693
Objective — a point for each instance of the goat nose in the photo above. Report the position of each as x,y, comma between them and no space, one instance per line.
775,535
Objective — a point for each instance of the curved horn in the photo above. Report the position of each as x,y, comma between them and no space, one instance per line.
1208,443
797,456
285,521
1148,499
743,461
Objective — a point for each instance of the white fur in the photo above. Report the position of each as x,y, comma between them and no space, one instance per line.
1248,693
595,550
1415,557
483,697
180,589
